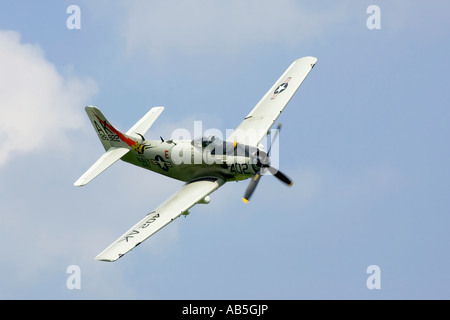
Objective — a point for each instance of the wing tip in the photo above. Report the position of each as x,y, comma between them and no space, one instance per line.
106,260
101,257
309,59
79,183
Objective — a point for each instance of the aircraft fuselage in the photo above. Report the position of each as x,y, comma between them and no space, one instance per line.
182,160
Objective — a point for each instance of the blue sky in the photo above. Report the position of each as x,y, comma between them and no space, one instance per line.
365,139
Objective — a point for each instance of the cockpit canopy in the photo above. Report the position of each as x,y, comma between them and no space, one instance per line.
204,142
219,147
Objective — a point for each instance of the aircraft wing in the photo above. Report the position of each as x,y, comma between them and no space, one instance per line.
188,196
259,121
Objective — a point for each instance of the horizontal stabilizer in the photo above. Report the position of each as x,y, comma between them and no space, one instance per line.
141,127
105,161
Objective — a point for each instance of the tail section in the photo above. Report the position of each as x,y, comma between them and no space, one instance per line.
116,143
108,135
141,127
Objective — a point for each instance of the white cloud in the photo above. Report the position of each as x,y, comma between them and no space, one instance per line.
193,27
37,104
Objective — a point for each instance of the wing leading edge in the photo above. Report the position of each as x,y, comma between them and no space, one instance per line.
188,196
256,124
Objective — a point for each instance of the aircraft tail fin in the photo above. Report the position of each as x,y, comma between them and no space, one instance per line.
108,135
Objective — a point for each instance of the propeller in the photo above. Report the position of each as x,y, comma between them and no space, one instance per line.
263,162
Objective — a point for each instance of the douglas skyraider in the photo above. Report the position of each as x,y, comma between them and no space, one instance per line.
204,164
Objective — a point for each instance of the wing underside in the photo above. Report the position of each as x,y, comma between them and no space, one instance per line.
188,196
256,124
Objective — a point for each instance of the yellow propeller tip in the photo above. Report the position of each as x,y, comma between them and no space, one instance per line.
245,200
290,184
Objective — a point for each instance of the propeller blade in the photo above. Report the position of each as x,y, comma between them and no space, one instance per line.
251,186
264,161
281,176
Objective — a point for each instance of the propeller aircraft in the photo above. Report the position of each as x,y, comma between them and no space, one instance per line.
204,164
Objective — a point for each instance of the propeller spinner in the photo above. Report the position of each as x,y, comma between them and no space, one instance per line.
263,161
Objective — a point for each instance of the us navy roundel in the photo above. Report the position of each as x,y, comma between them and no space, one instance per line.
281,88
161,163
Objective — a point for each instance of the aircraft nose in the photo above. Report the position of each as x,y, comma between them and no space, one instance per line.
262,158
